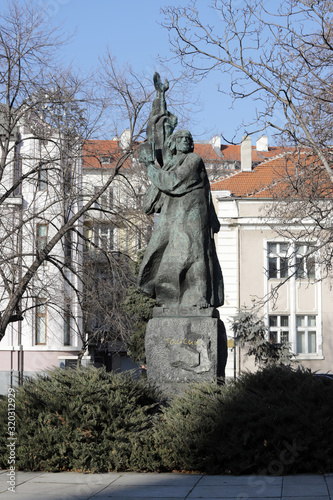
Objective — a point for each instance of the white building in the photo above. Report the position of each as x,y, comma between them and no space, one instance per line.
47,194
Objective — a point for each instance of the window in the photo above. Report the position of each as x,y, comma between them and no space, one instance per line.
17,173
42,178
105,201
277,260
69,362
103,237
68,247
41,236
278,329
105,159
306,334
41,314
305,262
67,325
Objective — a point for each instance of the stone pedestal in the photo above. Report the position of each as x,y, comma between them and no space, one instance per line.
184,347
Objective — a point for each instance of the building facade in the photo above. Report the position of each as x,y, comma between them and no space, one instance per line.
265,270
115,229
46,330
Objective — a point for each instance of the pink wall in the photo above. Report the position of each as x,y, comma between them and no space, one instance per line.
5,364
42,360
33,361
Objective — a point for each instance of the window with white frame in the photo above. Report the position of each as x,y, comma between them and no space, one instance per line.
68,247
41,234
305,262
105,201
67,324
42,178
41,321
17,173
306,334
278,327
68,176
278,262
284,256
103,236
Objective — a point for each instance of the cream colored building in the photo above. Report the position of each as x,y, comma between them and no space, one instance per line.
261,267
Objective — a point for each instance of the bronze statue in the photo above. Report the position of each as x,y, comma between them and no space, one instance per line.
180,267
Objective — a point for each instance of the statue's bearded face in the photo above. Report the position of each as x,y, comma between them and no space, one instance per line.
183,143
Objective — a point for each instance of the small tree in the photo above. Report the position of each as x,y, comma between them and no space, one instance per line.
44,120
139,308
251,332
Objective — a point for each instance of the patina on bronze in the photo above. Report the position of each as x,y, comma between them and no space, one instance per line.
180,267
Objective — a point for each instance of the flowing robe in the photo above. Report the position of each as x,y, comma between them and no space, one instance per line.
180,266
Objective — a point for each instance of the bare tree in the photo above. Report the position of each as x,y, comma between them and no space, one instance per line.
281,59
116,227
48,116
44,120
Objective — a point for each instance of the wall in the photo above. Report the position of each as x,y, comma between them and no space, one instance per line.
242,250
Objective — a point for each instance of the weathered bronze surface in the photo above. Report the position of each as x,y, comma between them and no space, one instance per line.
180,267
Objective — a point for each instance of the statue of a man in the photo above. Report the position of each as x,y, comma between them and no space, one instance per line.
180,267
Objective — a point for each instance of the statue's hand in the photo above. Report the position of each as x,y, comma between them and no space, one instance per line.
158,83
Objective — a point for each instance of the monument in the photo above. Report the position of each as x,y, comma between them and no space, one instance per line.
185,340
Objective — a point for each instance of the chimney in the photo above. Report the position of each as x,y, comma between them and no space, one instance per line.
216,144
246,154
125,140
262,143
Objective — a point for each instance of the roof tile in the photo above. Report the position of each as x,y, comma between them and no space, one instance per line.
272,178
101,154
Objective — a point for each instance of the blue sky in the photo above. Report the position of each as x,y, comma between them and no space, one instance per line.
131,29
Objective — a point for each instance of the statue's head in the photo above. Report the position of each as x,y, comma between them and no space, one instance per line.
176,136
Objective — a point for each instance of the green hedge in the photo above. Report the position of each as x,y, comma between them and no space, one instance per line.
86,420
274,421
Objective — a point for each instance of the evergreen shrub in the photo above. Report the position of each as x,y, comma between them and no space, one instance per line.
81,419
275,421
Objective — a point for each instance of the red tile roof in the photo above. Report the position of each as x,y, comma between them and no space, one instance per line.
95,150
101,154
232,152
286,175
207,152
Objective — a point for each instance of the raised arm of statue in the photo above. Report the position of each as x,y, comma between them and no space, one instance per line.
161,89
161,123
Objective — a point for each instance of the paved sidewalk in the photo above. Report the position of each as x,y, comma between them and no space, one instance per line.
151,486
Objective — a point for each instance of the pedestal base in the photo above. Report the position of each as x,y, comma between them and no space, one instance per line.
185,349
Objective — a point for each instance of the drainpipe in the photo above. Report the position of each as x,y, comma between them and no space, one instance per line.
19,323
12,357
239,282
